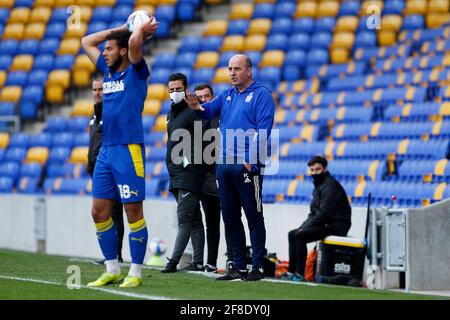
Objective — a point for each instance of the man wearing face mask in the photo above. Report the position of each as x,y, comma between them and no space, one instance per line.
186,175
330,215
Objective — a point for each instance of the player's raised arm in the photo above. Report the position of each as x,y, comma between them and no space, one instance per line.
137,38
91,42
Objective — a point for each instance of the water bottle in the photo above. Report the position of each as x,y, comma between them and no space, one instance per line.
394,201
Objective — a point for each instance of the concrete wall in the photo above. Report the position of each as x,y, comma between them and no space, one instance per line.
428,247
71,232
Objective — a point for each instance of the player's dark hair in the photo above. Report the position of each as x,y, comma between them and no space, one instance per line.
319,160
121,36
178,76
204,86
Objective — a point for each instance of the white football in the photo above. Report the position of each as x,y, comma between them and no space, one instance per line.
157,247
138,18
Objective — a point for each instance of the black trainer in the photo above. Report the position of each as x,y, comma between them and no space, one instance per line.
210,268
255,275
194,267
171,267
233,274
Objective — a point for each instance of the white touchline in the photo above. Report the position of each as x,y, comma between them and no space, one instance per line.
112,291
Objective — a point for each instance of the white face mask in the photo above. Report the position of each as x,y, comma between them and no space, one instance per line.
177,97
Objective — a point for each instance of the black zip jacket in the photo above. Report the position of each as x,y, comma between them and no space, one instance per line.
329,206
186,175
95,137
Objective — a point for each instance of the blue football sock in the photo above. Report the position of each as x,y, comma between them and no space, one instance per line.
138,241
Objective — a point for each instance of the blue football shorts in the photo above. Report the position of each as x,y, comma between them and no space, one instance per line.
119,173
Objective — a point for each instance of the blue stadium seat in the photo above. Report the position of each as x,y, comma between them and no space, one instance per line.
212,43
165,60
317,57
349,8
326,24
56,124
96,26
20,139
281,25
15,154
393,7
291,72
277,42
303,25
64,62
255,57
295,57
284,9
9,47
156,154
102,14
43,62
81,139
365,39
33,93
148,122
187,71
270,74
220,87
225,58
55,29
121,12
321,40
72,186
16,78
190,44
164,28
58,155
185,59
7,108
237,27
413,22
9,169
165,12
5,61
6,184
4,15
264,10
160,75
55,170
28,46
186,11
48,46
152,188
299,41
28,185
153,138
64,139
33,170
203,75
37,77
78,124
28,109
165,108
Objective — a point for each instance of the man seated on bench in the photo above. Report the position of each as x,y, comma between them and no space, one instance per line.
330,215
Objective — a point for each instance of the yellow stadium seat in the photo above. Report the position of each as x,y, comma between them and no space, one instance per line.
4,140
40,14
167,2
306,9
106,3
86,14
265,1
152,107
82,108
19,15
241,11
47,3
376,5
58,81
6,3
221,75
347,23
37,154
438,6
10,94
207,59
35,30
146,7
343,40
82,71
259,26
436,20
157,91
339,55
387,37
233,43
13,31
146,3
69,46
79,155
22,62
391,22
3,75
328,9
160,124
255,42
272,58
216,28
214,2
415,7
91,3
75,31
64,3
